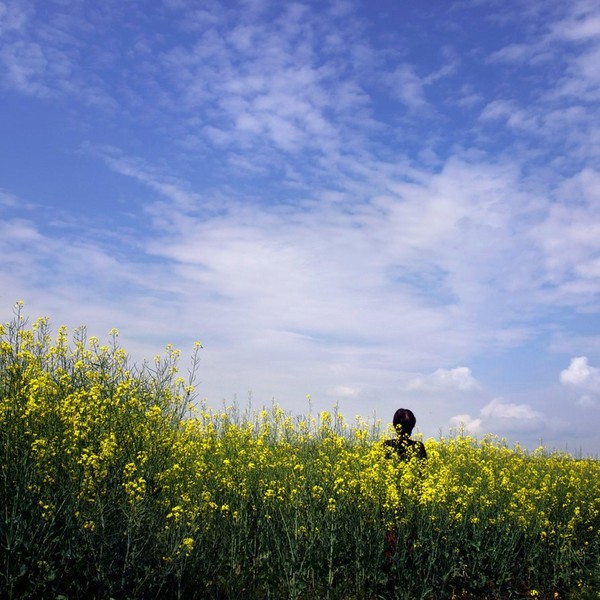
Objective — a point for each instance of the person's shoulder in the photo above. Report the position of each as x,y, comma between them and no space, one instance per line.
413,449
391,447
405,448
419,449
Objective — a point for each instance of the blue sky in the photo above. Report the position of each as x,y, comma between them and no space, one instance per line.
379,204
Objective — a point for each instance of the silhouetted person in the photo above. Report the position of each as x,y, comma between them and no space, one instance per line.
404,422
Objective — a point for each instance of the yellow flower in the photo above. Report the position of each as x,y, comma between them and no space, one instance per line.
89,526
187,545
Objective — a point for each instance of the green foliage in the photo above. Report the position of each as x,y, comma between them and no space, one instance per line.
111,487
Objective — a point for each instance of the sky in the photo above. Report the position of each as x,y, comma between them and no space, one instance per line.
376,204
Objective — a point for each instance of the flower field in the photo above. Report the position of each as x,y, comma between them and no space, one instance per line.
112,485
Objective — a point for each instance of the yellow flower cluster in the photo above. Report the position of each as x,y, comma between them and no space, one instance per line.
110,443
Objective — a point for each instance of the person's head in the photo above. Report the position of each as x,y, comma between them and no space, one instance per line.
404,421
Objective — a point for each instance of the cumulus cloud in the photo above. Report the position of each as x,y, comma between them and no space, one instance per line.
581,374
502,417
445,380
466,423
585,379
507,410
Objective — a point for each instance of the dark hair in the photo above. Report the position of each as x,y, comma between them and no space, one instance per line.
404,421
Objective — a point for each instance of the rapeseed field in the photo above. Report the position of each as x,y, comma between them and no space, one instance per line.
116,483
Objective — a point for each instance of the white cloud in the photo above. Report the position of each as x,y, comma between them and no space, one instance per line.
310,232
172,189
507,410
408,87
512,53
8,200
498,109
24,67
569,238
445,380
580,374
14,15
466,423
266,85
579,27
587,401
510,112
345,391
558,107
584,379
